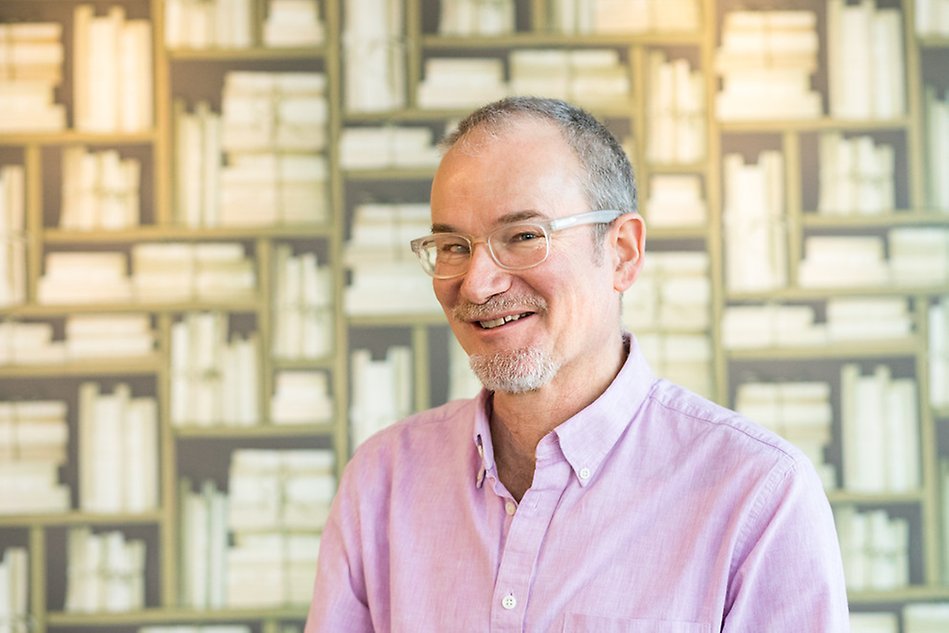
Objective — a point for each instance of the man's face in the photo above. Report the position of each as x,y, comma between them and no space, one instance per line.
566,309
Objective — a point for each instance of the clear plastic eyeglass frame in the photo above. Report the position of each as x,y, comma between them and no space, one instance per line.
516,246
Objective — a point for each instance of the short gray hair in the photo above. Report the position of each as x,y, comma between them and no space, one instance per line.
608,174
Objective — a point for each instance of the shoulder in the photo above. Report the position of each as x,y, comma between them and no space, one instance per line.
432,437
717,433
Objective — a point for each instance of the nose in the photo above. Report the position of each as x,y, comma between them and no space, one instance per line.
484,278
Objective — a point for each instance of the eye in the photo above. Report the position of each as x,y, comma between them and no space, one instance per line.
451,247
523,234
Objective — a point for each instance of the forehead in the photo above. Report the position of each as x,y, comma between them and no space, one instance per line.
524,165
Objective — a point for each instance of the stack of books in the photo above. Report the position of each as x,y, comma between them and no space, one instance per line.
926,617
856,176
676,111
272,127
29,343
771,325
293,23
13,242
918,256
215,376
932,18
800,412
843,261
118,450
683,358
33,443
675,200
879,421
590,77
381,390
874,622
105,572
623,16
767,57
868,319
112,72
386,147
754,223
301,397
171,272
202,24
874,547
385,274
302,306
461,83
74,277
100,190
31,67
96,336
672,293
848,320
668,308
374,53
866,64
279,500
476,17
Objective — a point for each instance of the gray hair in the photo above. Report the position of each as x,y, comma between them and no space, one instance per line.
608,175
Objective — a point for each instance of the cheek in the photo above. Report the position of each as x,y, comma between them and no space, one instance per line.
445,292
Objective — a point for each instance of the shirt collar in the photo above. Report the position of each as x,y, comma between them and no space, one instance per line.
586,438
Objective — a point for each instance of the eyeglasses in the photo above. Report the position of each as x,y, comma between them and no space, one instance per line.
516,246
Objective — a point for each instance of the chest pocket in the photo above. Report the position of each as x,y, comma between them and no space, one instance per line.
577,623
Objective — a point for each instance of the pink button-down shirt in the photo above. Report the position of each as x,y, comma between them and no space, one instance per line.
650,510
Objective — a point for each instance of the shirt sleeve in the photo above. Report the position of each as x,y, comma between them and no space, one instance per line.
787,575
340,603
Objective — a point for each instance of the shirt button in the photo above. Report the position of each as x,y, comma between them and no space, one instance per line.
509,602
584,473
511,508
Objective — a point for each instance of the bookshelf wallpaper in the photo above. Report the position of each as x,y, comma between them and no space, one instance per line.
207,299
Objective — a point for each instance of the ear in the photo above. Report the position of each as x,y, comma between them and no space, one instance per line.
629,249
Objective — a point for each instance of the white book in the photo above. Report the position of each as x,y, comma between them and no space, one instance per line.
888,67
140,468
134,76
217,546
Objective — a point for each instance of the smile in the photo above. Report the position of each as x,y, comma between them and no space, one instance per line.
493,323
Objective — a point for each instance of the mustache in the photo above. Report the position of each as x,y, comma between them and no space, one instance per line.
467,311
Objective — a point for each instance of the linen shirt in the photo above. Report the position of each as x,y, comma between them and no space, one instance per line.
651,509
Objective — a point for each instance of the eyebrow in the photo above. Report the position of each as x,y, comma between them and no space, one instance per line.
509,218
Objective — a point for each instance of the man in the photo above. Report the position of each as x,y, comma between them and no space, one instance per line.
577,492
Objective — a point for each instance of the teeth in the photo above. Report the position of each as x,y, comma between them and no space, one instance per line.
493,323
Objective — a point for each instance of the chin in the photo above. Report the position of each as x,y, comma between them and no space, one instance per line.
517,371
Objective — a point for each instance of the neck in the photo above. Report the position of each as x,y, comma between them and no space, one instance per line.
519,421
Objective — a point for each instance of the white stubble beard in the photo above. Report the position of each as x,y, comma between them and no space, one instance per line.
515,371
510,371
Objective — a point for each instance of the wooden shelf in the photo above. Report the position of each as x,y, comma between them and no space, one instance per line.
819,294
558,40
185,234
88,367
174,615
257,431
246,54
34,310
75,518
862,349
813,219
808,125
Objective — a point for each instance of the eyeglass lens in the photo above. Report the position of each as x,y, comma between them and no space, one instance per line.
515,246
